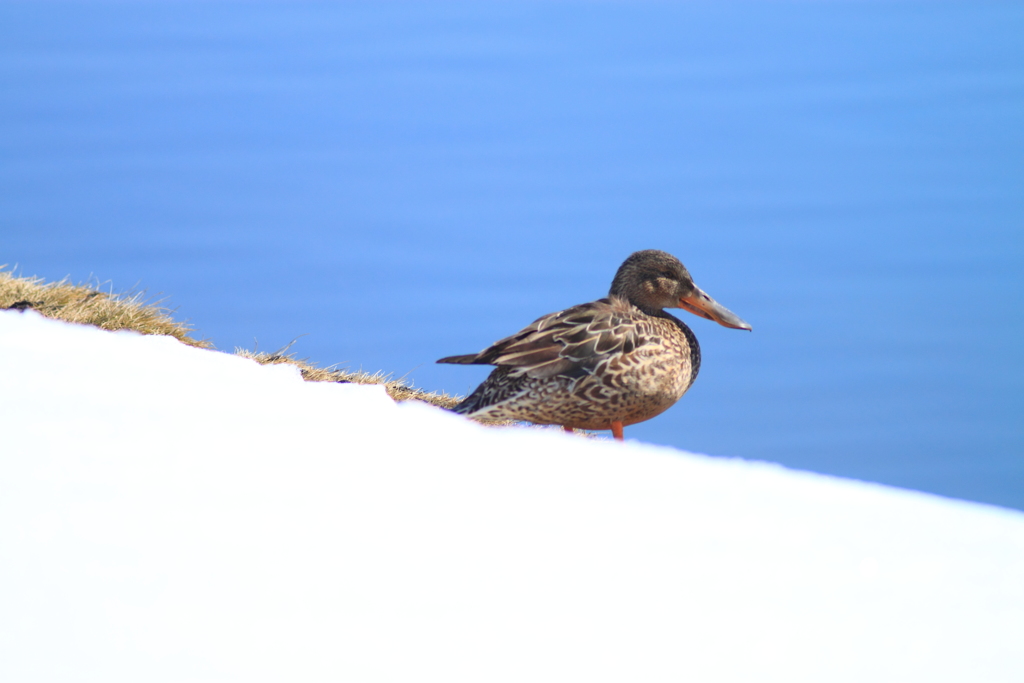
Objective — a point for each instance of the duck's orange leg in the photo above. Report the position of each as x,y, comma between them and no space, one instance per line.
568,430
617,430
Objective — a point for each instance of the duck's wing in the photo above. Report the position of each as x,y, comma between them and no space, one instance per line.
570,342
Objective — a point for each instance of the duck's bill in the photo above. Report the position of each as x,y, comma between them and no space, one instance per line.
703,305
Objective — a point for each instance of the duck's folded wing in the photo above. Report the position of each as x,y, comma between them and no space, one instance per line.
570,342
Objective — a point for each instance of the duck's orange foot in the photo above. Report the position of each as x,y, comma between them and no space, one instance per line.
617,430
568,430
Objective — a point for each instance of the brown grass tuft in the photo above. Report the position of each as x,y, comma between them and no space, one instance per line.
397,389
90,306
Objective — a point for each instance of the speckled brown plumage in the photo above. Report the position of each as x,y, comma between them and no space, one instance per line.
621,359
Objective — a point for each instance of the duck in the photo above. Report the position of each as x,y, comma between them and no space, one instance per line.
603,365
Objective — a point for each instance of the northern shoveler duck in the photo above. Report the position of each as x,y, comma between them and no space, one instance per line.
602,365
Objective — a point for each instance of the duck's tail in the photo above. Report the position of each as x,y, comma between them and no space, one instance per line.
469,359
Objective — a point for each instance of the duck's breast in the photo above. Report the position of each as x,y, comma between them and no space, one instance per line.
636,386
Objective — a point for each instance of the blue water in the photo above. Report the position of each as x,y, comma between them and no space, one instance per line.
393,183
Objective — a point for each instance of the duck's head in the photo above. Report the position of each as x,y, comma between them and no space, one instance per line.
653,280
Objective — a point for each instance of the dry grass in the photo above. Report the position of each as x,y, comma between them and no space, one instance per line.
88,305
397,389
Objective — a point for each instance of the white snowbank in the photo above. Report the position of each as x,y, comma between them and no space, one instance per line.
173,514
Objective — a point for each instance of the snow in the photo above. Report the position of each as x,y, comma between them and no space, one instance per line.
175,514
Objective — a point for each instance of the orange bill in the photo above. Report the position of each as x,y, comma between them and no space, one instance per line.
703,305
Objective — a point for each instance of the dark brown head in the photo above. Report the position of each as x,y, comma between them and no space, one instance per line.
652,280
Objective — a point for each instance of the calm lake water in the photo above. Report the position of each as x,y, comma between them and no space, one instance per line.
393,183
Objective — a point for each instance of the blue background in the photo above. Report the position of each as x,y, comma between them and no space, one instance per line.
400,182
